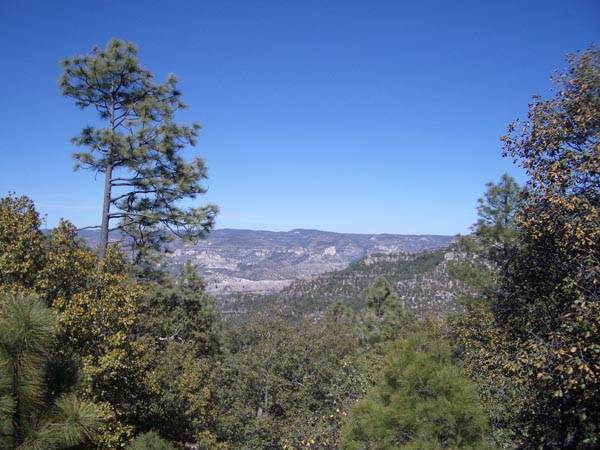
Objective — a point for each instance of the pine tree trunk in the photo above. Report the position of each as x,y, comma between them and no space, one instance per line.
104,230
105,213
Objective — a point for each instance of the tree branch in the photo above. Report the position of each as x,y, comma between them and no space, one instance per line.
88,228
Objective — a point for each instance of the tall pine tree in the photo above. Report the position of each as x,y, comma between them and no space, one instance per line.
138,151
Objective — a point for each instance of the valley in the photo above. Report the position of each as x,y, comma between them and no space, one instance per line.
265,262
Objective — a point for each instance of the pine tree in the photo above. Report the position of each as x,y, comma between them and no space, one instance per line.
495,227
38,411
139,150
421,401
384,318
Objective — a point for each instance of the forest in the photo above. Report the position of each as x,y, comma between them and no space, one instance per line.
104,349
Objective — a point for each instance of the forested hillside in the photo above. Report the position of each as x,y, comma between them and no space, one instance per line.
420,280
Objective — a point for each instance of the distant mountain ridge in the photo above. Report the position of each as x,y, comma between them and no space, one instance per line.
234,261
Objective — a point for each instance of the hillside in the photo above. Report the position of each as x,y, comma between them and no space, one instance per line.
246,261
421,281
304,271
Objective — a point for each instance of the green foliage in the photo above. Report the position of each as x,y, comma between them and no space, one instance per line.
179,331
496,216
146,351
417,278
21,243
534,351
139,150
181,403
421,401
487,352
96,305
97,322
177,308
38,410
484,346
487,253
179,328
278,379
150,441
69,266
384,318
551,306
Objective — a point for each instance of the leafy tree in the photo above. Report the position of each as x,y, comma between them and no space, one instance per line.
177,308
181,401
483,345
552,308
98,322
139,150
21,243
179,328
38,410
69,265
422,401
279,379
147,351
487,351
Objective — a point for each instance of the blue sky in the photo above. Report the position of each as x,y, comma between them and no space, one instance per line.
354,116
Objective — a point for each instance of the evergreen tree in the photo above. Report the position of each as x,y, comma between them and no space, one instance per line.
38,410
495,228
279,380
384,318
177,308
139,150
98,323
180,330
422,401
484,346
150,440
146,352
535,350
487,253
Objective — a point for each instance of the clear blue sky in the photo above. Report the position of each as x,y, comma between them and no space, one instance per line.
378,116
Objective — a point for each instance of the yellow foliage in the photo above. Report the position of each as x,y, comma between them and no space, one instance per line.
21,244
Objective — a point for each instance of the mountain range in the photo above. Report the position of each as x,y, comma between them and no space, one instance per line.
302,271
247,261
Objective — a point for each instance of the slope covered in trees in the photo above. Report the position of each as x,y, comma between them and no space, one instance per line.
420,280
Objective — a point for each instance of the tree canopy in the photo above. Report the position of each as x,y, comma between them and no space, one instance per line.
552,304
421,401
139,149
533,346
